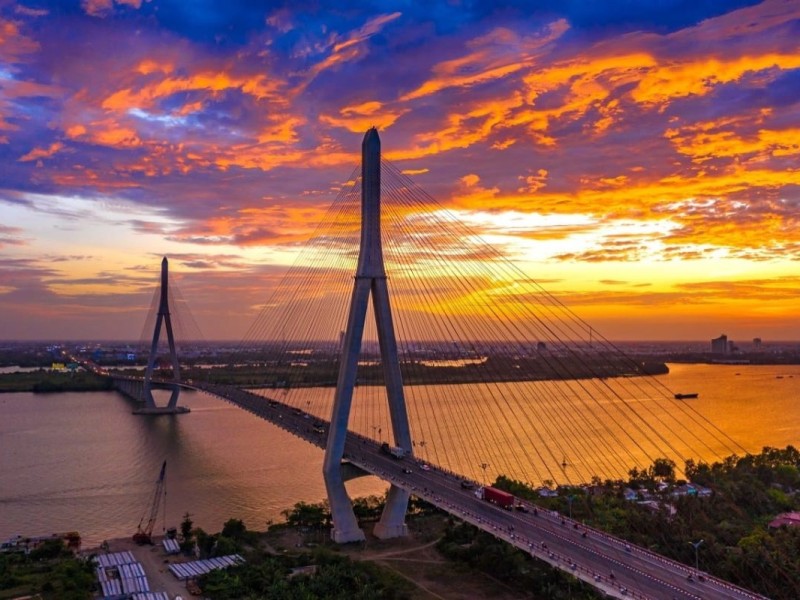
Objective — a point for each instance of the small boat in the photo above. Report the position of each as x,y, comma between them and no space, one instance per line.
685,396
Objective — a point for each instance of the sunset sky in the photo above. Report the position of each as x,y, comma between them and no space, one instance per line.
640,159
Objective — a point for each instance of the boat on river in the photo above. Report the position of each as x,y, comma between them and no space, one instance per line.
686,396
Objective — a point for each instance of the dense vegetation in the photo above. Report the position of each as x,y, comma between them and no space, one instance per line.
530,578
50,570
266,575
48,381
334,576
747,493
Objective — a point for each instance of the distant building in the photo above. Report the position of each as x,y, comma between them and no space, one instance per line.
691,489
757,343
720,345
630,495
546,492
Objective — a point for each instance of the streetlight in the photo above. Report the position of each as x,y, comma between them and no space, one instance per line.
696,557
484,466
570,500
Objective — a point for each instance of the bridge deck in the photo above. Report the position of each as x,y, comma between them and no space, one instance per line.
610,564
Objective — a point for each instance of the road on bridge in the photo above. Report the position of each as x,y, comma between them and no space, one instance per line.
612,565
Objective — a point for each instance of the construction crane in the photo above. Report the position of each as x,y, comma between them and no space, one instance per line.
144,535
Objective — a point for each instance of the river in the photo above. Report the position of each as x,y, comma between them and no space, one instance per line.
82,461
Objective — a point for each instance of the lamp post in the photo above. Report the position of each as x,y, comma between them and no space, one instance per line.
696,556
570,500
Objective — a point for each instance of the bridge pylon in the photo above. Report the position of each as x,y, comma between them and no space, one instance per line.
163,317
370,278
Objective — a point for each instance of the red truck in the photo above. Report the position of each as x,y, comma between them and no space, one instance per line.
495,496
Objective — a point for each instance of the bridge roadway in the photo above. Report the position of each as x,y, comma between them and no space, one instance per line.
610,564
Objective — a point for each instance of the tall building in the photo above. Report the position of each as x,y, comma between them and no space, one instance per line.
720,345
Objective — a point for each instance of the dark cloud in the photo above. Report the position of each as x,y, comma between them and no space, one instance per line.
661,15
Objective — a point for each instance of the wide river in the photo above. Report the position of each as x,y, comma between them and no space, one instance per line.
82,461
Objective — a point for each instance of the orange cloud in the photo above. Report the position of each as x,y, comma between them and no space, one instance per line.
109,133
274,225
601,88
462,129
13,44
284,130
488,62
148,66
75,131
709,140
470,180
38,153
349,49
258,86
534,182
698,77
102,8
360,117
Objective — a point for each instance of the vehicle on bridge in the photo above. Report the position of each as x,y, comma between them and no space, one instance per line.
393,451
495,496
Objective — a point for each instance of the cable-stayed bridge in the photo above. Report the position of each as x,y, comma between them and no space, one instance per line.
441,348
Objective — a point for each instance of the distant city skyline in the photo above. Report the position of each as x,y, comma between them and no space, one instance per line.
638,159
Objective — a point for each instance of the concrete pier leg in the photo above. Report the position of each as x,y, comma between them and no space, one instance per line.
345,525
393,519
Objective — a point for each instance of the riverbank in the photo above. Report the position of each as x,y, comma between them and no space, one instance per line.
42,382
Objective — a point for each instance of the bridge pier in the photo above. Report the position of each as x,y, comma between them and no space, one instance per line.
133,389
345,525
393,519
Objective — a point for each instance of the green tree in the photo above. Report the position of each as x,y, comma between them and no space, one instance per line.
187,539
664,469
234,529
307,515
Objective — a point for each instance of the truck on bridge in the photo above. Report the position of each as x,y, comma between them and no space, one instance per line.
495,496
393,451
